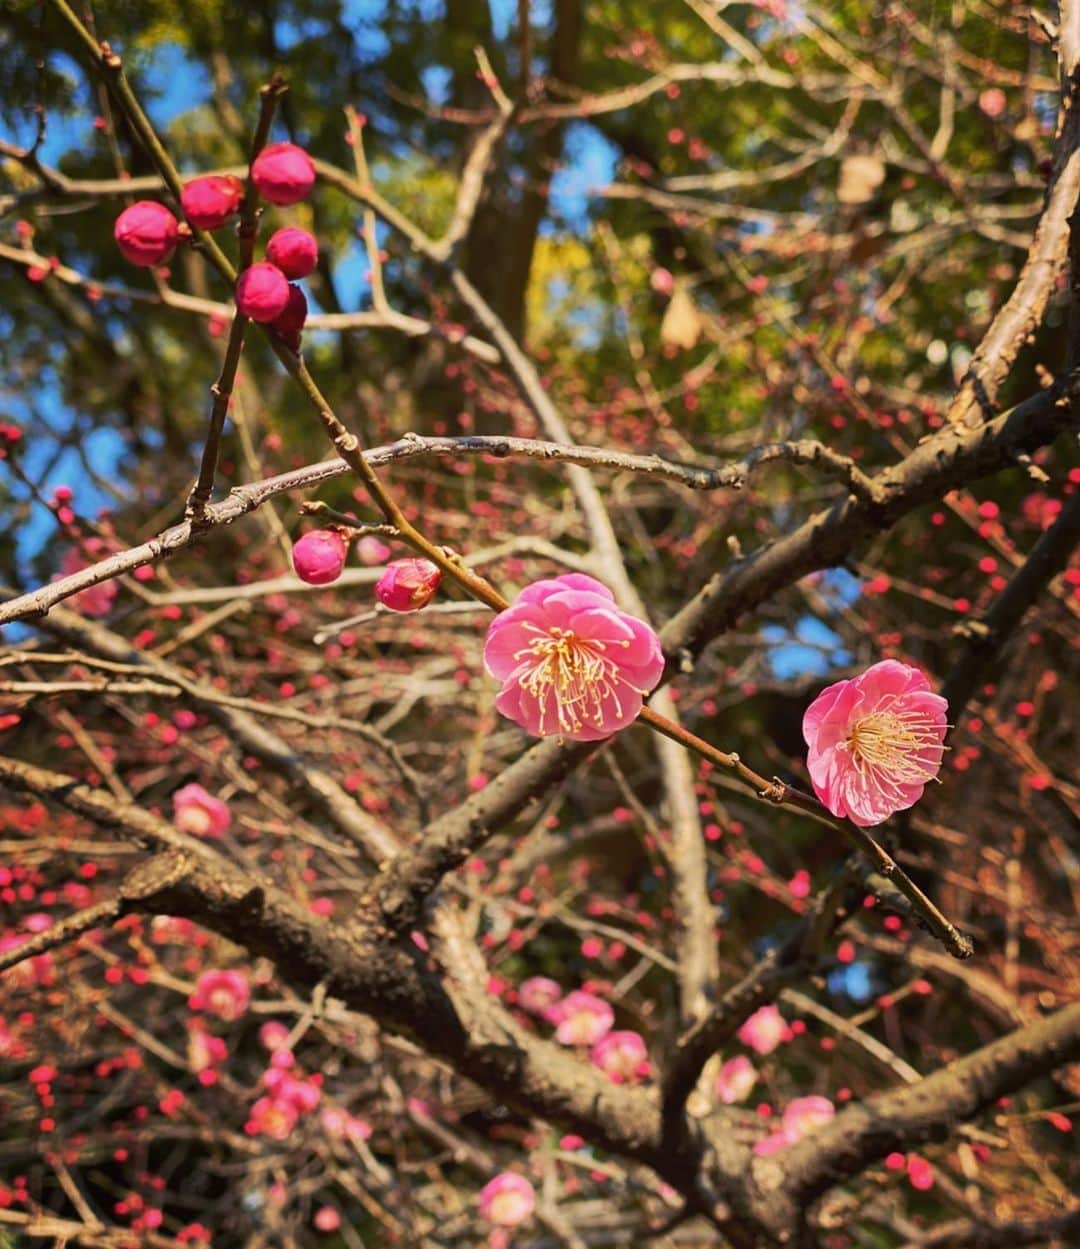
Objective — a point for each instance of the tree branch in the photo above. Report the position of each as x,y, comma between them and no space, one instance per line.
928,1110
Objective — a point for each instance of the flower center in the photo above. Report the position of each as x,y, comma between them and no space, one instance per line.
508,1208
576,671
887,748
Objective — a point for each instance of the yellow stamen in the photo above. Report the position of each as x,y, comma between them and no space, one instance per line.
886,748
579,674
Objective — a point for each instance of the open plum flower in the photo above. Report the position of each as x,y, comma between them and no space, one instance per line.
571,662
875,742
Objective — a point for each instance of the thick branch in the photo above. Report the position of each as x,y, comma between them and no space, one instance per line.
929,1110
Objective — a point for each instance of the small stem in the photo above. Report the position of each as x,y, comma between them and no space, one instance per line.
222,389
348,447
371,241
957,943
111,68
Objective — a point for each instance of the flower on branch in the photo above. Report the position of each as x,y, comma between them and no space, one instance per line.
199,813
507,1200
571,662
875,742
801,1117
221,993
581,1018
764,1030
622,1056
735,1079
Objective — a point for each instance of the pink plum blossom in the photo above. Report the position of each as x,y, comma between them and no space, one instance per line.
570,661
95,600
32,973
507,1200
801,1117
326,1219
290,322
581,1018
283,1087
805,1114
272,1118
538,994
735,1079
920,1173
221,993
341,1125
273,1034
623,1056
875,742
205,1050
199,813
262,292
764,1030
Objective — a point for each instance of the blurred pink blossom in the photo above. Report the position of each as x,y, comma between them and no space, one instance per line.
221,993
199,813
97,600
538,994
764,1030
623,1056
735,1079
507,1200
581,1018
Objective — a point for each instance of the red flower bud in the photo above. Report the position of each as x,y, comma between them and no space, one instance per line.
262,293
146,233
291,321
319,556
294,251
283,173
408,584
210,202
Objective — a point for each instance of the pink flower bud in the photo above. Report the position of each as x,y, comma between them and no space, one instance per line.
294,251
319,556
283,173
327,1219
290,323
262,293
408,584
209,202
146,233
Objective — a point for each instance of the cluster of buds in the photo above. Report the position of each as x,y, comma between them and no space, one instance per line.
147,234
266,292
405,585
